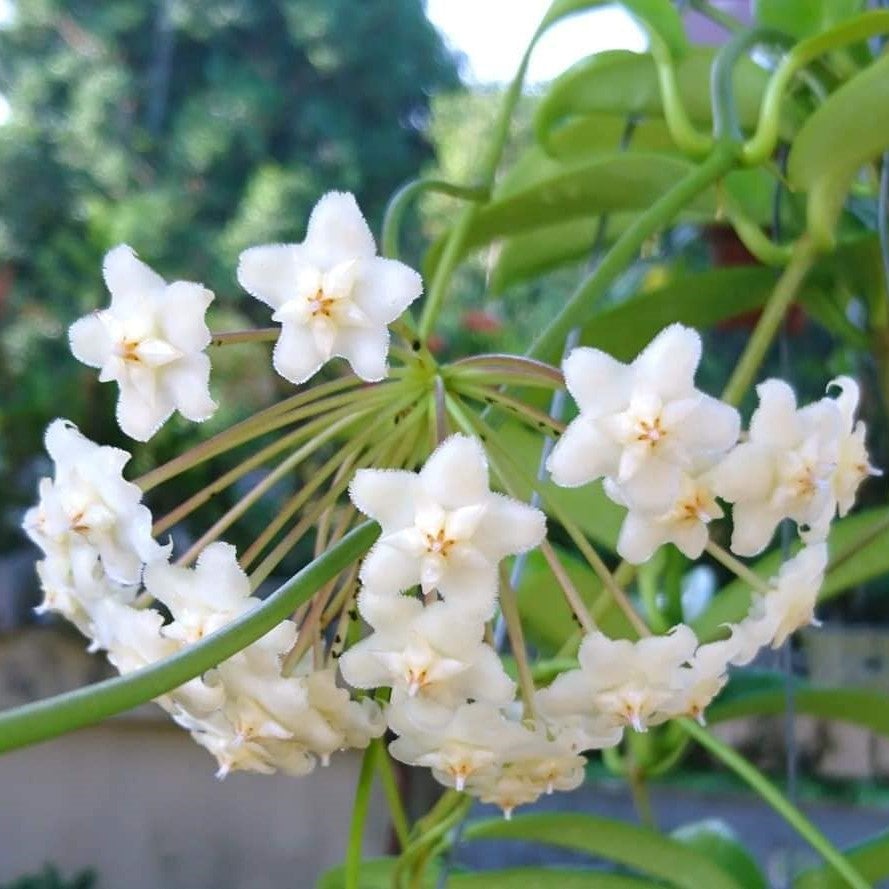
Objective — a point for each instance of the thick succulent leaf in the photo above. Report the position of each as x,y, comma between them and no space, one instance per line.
619,82
716,840
848,130
803,18
547,878
764,694
646,851
870,858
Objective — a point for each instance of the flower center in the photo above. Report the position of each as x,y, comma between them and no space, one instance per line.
322,304
439,543
651,431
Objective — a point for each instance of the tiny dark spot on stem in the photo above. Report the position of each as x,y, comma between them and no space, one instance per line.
415,345
353,614
337,639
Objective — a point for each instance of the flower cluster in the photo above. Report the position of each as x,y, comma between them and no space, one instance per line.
332,295
431,587
452,703
99,553
666,451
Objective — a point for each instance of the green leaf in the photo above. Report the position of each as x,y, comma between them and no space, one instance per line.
658,17
716,840
858,552
701,299
870,858
540,191
528,254
546,878
584,135
857,706
848,130
802,18
86,706
640,848
621,83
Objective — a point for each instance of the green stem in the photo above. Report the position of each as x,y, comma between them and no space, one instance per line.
54,716
682,130
408,193
359,814
768,792
260,335
429,838
725,116
761,146
788,285
548,345
393,797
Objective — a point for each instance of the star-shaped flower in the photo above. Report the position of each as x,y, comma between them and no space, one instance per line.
443,527
853,463
89,511
151,340
434,651
684,524
332,294
785,469
641,424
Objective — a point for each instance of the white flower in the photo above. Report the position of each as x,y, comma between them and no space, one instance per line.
332,294
641,424
76,597
471,743
853,463
435,652
632,683
703,679
783,470
791,603
89,511
683,524
204,598
151,340
443,528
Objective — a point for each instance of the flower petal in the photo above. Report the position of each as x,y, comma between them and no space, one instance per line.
129,280
775,422
187,383
389,570
384,288
366,350
582,454
183,306
456,474
653,487
712,426
597,382
670,360
270,272
640,537
296,356
508,526
89,340
747,473
754,525
386,495
139,418
337,232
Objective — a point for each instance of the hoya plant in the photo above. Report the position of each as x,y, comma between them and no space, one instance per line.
492,595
